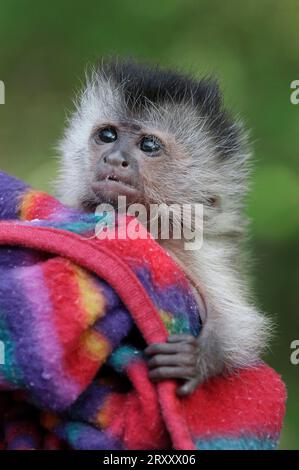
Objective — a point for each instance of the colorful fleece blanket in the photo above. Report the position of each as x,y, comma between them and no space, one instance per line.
76,313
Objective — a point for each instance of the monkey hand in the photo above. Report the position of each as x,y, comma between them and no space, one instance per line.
175,359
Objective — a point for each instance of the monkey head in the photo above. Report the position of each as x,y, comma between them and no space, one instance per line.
154,136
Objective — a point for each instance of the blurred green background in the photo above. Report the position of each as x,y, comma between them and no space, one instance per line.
253,48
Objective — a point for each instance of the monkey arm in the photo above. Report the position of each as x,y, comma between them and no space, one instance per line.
232,337
234,332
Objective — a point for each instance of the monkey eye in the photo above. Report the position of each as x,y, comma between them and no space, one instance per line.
106,135
150,144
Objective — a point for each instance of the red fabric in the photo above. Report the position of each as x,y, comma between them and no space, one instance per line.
250,402
109,267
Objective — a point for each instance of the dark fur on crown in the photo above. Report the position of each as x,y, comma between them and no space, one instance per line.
142,83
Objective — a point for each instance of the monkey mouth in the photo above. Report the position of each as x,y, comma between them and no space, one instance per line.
111,186
117,180
112,178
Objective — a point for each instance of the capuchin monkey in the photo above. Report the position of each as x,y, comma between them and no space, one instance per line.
157,136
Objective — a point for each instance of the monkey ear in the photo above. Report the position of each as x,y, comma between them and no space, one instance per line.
213,201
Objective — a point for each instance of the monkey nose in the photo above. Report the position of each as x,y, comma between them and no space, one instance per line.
116,159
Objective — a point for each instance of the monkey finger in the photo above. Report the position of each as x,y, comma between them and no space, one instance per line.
188,387
163,373
180,360
170,348
184,337
161,348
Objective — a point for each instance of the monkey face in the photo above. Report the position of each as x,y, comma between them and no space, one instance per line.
127,159
114,159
